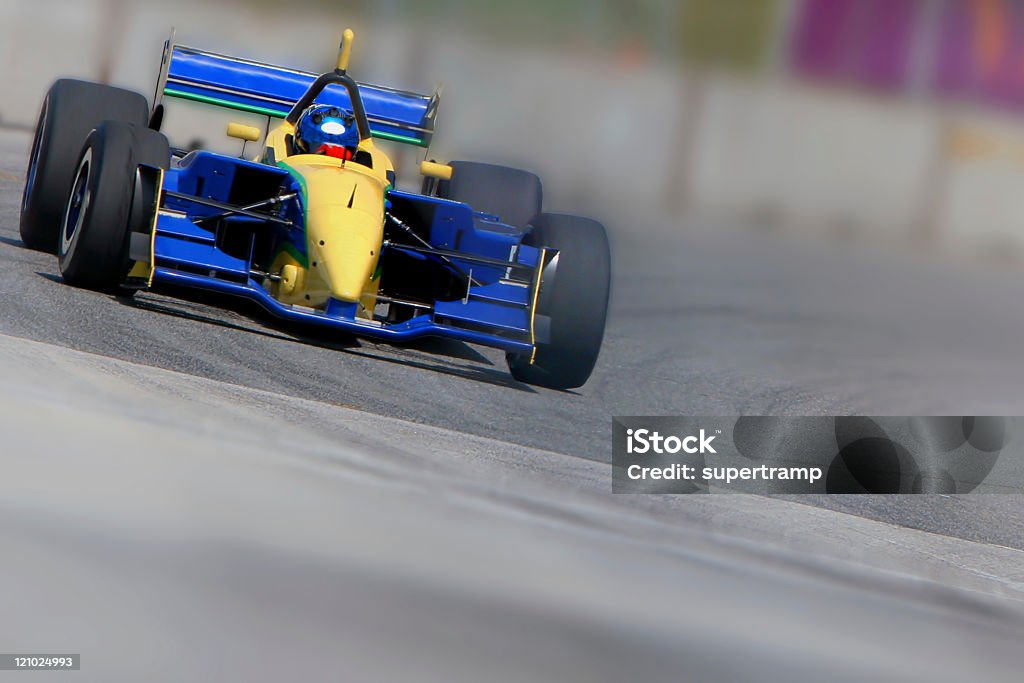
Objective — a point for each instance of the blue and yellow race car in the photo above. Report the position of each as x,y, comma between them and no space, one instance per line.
313,229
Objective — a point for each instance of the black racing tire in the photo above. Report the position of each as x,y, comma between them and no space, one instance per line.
574,303
71,110
513,195
95,232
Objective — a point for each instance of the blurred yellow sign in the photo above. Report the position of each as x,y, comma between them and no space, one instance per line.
731,33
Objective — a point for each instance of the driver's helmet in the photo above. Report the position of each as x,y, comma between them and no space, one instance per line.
324,129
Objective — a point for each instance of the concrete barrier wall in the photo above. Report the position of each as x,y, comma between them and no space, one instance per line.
816,157
980,197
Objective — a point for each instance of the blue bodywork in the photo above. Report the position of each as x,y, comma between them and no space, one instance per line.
496,311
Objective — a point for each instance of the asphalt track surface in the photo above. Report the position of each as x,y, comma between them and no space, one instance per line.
699,325
414,513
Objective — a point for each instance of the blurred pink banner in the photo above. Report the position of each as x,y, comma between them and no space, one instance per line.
860,41
969,49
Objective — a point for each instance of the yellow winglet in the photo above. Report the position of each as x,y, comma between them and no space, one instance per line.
534,299
143,271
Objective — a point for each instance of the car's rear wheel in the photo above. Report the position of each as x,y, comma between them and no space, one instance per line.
512,195
94,234
573,303
70,111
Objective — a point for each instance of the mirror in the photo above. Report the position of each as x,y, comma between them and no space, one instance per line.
432,169
242,132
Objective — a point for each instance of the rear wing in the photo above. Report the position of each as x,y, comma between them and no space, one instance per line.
233,83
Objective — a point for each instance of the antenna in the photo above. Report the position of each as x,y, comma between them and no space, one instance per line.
345,52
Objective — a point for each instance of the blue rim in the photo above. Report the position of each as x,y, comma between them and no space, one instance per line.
76,201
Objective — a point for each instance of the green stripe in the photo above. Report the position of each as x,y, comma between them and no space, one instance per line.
299,178
400,138
293,251
273,113
303,259
227,104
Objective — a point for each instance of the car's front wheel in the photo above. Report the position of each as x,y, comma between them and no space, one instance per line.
572,305
71,110
94,235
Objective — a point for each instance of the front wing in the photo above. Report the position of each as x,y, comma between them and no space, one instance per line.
501,313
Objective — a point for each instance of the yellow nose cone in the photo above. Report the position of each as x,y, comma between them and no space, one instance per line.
347,246
344,223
